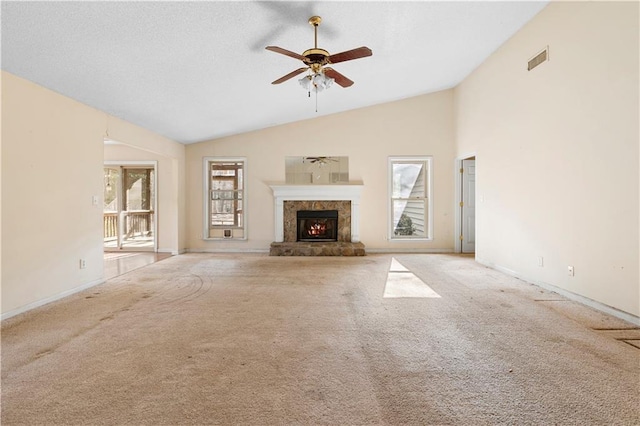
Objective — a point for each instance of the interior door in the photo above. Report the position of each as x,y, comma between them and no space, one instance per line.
468,206
129,211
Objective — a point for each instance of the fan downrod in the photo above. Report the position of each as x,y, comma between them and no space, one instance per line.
315,57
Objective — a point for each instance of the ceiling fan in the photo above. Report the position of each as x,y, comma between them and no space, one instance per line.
320,76
319,160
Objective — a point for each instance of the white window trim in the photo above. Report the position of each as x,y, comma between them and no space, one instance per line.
428,159
205,197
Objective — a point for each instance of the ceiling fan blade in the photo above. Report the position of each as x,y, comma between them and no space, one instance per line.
360,52
285,52
339,78
290,75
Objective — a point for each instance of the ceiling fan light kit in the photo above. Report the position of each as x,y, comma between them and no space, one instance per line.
316,82
320,77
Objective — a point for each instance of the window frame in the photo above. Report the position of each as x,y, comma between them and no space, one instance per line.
427,160
206,186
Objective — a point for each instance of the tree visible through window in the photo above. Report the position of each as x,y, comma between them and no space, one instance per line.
409,187
225,198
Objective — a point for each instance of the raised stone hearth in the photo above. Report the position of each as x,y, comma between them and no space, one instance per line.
339,248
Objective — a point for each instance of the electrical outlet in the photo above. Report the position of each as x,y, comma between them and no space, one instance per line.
570,271
540,261
83,264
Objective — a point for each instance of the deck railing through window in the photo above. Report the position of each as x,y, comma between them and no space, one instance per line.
136,224
110,225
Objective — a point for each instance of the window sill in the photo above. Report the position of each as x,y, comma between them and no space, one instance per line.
223,239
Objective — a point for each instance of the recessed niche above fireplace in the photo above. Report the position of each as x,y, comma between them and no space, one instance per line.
322,170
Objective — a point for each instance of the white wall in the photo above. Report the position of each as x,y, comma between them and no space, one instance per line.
557,160
418,126
557,151
167,195
52,161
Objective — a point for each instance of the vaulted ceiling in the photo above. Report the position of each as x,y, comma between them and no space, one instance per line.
195,71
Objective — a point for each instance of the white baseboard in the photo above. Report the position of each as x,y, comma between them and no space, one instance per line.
172,252
230,250
625,316
408,250
48,300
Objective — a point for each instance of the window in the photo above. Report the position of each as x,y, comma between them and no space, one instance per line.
225,203
410,193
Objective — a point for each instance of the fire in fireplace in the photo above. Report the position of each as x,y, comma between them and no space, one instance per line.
317,225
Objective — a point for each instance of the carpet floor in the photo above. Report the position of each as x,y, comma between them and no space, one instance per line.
256,340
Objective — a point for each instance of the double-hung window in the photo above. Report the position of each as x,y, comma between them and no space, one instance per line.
410,198
225,202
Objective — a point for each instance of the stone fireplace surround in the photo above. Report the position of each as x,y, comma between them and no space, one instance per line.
291,208
342,197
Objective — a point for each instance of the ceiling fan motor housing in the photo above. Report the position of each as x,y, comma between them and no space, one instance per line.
316,58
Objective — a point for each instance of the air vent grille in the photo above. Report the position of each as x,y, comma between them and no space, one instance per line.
538,59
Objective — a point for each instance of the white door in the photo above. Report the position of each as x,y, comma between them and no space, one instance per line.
468,206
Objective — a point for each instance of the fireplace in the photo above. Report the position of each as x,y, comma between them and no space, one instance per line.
317,225
342,198
291,198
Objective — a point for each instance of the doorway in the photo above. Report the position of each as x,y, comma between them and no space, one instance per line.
129,219
466,205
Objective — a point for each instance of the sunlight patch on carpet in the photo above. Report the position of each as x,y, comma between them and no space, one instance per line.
397,266
401,282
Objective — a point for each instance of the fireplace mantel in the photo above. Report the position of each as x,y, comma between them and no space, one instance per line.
339,192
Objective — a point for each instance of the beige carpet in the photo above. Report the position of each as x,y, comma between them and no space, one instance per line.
258,340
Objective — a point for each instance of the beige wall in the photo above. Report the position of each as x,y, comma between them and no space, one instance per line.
137,137
557,166
418,126
166,195
52,160
557,151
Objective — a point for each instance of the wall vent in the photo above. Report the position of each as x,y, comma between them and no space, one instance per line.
538,59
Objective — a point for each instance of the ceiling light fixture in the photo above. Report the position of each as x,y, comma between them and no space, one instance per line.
320,76
316,82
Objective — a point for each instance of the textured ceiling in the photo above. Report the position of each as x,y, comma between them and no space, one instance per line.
194,71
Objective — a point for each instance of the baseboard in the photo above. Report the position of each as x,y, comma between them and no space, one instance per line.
172,252
48,300
229,250
408,250
625,316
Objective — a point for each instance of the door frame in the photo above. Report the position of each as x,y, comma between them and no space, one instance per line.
457,226
144,163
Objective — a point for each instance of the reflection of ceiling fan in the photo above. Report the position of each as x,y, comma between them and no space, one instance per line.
320,77
321,160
